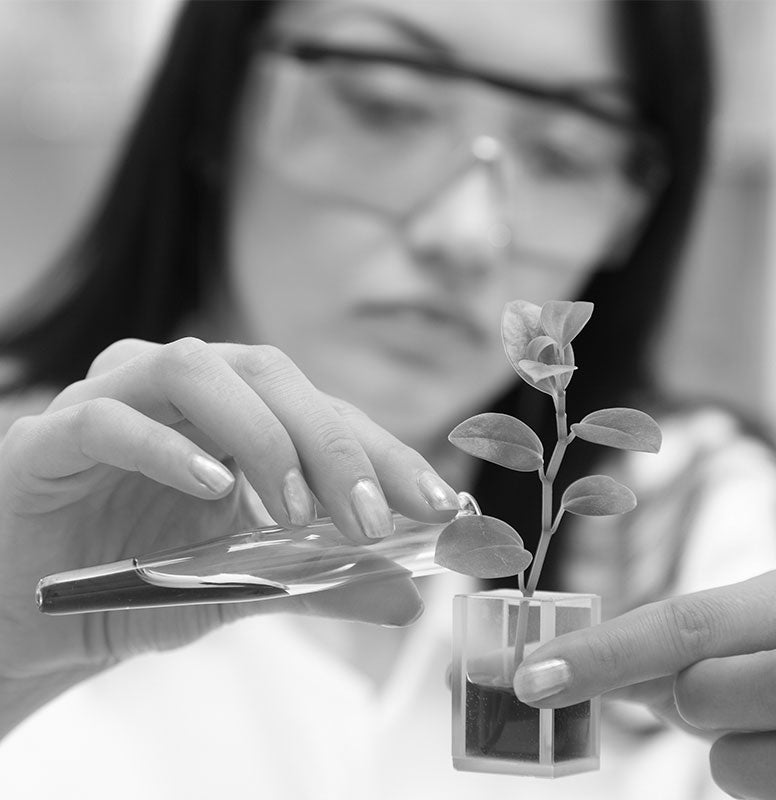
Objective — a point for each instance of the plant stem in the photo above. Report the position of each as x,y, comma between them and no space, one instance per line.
548,528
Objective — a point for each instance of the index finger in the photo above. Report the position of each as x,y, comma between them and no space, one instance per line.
650,642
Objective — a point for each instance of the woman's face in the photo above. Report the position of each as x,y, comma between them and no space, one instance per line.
382,217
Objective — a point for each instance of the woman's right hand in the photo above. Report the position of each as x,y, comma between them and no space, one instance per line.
704,662
132,459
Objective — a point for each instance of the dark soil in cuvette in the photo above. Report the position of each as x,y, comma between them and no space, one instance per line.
498,725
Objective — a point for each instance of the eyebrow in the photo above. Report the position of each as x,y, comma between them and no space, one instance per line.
597,94
609,99
585,97
417,34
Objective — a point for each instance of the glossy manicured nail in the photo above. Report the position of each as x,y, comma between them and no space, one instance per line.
541,680
371,510
436,492
298,499
211,474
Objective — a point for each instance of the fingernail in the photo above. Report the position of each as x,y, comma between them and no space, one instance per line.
541,680
298,499
371,510
436,492
211,474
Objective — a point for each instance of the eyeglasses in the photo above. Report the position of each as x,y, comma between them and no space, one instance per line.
387,132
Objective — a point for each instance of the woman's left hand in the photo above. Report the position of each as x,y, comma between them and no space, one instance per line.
130,460
704,661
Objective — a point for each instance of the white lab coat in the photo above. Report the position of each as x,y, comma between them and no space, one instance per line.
283,707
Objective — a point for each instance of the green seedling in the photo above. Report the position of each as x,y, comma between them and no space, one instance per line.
537,341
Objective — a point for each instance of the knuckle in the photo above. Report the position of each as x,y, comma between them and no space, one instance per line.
268,434
262,362
181,357
185,349
21,430
337,444
92,412
92,415
71,395
146,446
688,623
396,450
115,354
18,438
606,652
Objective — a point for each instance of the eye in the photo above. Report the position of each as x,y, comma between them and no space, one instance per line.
381,105
379,112
560,162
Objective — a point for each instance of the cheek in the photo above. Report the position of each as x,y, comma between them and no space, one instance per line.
285,263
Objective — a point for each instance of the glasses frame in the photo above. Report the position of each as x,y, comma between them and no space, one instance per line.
646,137
649,177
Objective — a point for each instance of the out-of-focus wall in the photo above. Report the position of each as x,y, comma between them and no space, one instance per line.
70,74
71,70
719,341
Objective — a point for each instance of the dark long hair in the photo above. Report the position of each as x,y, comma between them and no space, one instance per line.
139,266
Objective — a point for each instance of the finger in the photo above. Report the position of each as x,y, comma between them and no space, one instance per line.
736,693
333,460
658,696
303,433
393,602
411,485
744,765
119,353
114,359
188,380
254,401
105,431
652,641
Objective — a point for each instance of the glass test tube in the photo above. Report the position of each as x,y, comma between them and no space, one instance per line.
247,566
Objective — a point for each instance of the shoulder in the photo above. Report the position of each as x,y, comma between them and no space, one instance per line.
705,514
701,445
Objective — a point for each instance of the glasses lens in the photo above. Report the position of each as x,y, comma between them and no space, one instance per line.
387,136
372,134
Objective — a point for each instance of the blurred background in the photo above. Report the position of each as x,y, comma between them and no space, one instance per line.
71,72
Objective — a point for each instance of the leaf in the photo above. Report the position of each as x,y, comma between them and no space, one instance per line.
538,350
563,319
520,324
481,546
538,371
501,439
623,428
598,496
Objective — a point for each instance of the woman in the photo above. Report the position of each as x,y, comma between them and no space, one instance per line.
352,190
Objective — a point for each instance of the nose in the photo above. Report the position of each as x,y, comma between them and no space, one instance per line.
461,227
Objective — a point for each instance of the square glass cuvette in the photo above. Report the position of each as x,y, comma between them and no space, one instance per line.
492,730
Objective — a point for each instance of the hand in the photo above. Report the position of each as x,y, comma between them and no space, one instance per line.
129,461
705,661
